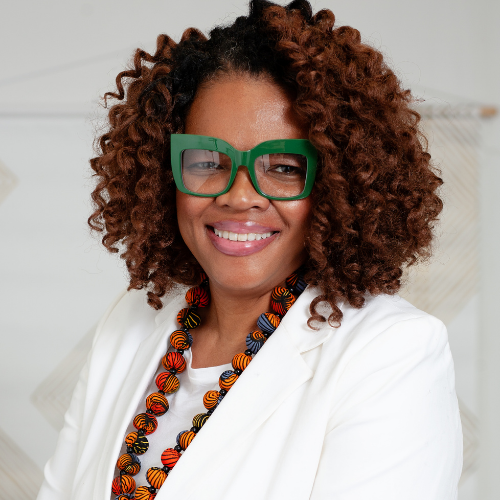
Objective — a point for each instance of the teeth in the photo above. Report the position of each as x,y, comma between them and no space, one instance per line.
228,235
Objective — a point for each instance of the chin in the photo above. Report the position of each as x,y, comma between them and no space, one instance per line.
244,274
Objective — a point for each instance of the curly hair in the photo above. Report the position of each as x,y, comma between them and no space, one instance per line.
375,198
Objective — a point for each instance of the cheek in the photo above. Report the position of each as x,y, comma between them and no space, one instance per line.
297,214
182,206
189,210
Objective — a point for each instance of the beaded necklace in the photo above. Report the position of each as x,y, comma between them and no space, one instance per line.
282,298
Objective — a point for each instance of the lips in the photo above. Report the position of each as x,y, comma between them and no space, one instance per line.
240,238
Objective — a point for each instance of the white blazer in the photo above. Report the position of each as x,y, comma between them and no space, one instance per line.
366,411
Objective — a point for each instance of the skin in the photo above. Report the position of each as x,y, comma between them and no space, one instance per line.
244,111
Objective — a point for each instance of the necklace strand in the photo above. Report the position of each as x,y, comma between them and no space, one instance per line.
129,464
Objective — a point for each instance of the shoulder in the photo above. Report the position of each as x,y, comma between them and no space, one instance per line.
388,340
388,358
389,322
130,314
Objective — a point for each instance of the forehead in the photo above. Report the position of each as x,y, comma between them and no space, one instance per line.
244,111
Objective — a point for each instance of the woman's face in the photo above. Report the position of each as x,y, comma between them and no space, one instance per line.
244,111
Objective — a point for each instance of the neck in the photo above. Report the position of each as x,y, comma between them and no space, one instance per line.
225,325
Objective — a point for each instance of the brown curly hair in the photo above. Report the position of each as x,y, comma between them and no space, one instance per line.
374,201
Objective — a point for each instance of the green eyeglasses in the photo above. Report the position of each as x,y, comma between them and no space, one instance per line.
282,169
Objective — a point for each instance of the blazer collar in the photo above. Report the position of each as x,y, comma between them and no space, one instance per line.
274,373
295,322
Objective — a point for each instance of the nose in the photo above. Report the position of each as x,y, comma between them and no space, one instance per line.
242,194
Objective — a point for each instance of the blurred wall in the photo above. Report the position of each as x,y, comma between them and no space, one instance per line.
57,58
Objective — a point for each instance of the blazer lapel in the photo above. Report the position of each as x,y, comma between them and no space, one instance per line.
144,365
275,372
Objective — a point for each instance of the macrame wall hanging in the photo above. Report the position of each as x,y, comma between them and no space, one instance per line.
445,286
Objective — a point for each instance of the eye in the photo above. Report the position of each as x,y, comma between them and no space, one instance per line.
205,165
204,162
283,165
287,170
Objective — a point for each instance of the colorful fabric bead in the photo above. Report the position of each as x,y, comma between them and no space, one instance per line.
167,382
185,439
200,420
125,496
197,297
156,476
145,422
241,361
174,361
143,493
178,438
123,484
157,403
255,340
129,463
227,379
281,300
180,340
187,318
170,457
138,444
211,399
268,322
296,281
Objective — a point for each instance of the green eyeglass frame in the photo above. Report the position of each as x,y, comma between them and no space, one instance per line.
182,142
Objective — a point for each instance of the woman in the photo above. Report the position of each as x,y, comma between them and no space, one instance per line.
280,151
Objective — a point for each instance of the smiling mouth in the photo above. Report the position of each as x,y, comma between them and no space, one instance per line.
229,235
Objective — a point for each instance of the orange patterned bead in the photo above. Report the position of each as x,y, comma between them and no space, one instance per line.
174,361
211,399
188,318
197,297
296,281
146,422
281,300
200,420
241,361
139,444
123,484
156,477
268,322
143,493
255,340
129,463
170,457
167,382
185,439
180,340
157,403
227,380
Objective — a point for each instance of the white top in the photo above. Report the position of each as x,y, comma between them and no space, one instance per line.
366,411
184,405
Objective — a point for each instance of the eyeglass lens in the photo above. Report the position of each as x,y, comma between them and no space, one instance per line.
279,175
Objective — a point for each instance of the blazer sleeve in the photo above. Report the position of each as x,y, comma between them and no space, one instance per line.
394,431
60,470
